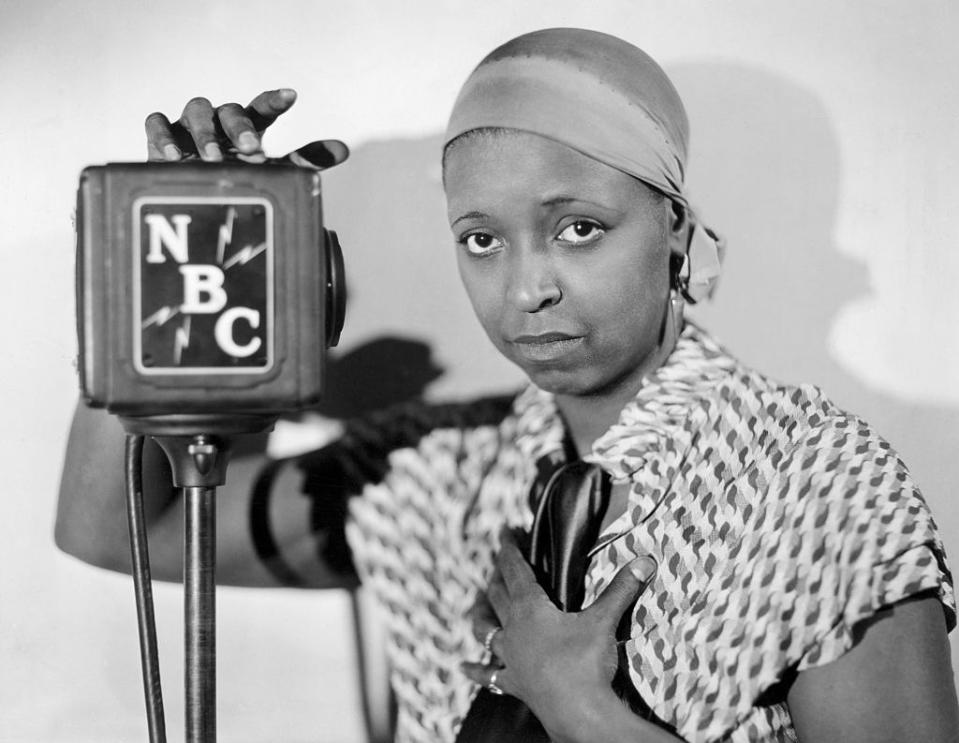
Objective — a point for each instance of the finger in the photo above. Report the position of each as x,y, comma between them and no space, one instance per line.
238,128
267,106
255,157
482,617
627,585
161,144
517,573
198,120
322,154
499,597
484,675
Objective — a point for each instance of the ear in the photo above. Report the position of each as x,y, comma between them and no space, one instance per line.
677,228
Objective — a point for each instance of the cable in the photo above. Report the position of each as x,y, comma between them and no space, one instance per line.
146,624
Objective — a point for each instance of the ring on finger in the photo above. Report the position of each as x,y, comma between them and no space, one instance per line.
488,640
492,687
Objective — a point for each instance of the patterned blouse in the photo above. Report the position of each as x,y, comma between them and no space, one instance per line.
778,521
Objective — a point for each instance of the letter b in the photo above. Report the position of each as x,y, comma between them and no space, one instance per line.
203,292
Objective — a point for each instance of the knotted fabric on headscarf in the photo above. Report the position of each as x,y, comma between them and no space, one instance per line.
600,96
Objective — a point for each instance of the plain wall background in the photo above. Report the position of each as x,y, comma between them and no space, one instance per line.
823,148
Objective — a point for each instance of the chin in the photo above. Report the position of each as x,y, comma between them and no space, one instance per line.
563,381
583,380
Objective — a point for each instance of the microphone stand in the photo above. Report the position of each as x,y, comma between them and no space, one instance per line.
198,449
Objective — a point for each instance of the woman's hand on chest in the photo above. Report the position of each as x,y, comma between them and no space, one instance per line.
560,664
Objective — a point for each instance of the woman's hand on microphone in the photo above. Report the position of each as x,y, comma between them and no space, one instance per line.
231,131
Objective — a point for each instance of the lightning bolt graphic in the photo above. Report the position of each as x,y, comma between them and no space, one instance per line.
181,339
160,317
244,255
225,235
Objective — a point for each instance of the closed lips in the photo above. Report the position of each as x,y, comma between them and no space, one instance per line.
544,338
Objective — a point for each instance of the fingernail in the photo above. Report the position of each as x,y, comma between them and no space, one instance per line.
248,142
287,93
212,151
254,157
171,152
643,568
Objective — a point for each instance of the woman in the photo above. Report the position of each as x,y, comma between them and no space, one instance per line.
754,563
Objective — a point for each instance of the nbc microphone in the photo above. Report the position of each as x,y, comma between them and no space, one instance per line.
204,288
207,297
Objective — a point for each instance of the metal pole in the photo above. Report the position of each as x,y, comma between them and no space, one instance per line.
200,614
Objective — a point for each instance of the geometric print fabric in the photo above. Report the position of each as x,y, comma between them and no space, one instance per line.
779,523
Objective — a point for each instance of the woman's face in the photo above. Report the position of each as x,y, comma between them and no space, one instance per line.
565,260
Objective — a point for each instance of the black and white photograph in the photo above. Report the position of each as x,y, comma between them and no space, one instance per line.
460,372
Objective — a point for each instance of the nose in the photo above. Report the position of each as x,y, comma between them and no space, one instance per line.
533,284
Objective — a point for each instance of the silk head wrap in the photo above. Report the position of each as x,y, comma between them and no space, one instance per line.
604,98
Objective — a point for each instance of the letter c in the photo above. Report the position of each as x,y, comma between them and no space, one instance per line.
223,332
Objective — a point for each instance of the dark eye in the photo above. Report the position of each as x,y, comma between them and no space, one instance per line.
581,231
481,243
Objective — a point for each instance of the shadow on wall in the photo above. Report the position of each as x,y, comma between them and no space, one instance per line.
377,374
765,170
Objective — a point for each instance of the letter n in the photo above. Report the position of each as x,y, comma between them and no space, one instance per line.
163,235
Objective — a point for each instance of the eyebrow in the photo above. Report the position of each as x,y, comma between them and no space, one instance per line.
550,202
469,215
561,200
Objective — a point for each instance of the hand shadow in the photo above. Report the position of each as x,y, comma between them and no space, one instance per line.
375,375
